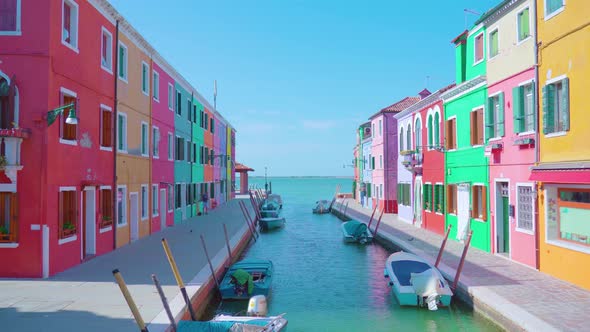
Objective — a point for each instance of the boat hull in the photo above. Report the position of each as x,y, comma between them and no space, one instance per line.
348,238
271,223
258,268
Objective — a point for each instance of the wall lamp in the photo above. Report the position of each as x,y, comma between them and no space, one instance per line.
71,119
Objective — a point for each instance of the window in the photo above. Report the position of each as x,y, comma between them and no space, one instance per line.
478,48
187,192
403,194
106,127
401,139
573,212
493,40
553,7
144,139
170,146
428,197
206,121
8,103
144,201
180,148
439,198
170,97
380,128
418,134
156,142
523,25
212,126
156,86
189,156
523,100
202,119
373,130
556,112
68,214
436,129
195,113
69,132
122,61
451,134
202,155
170,198
476,120
495,116
8,217
106,51
178,103
212,190
155,200
373,162
479,202
409,137
380,161
121,206
452,198
212,159
122,132
189,109
106,207
525,214
69,35
194,153
430,129
10,14
145,80
177,195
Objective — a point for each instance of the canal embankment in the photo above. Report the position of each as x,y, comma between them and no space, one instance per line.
86,297
512,295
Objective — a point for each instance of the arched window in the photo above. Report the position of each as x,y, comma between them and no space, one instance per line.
401,139
8,103
430,131
409,138
418,134
436,129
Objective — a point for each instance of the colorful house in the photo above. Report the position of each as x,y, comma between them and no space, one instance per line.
383,157
183,148
366,174
563,171
510,122
466,166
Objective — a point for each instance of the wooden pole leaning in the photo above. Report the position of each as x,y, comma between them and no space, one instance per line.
164,302
253,221
379,221
209,261
442,246
129,299
372,215
462,261
179,281
247,217
227,243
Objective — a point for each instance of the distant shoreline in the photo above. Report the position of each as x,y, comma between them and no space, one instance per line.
304,177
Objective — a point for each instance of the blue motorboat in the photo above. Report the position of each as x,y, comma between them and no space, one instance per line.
247,278
271,223
356,231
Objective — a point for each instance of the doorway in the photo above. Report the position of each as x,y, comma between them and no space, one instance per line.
134,215
502,218
163,209
89,228
418,192
463,203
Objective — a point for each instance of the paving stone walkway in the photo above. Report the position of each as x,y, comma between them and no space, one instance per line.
86,298
516,296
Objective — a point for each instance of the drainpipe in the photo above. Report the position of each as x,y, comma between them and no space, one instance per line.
192,154
385,163
537,135
115,191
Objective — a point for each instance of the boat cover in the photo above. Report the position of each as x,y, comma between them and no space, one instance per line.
212,326
403,270
242,277
356,228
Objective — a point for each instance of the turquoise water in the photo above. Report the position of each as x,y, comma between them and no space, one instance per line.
323,284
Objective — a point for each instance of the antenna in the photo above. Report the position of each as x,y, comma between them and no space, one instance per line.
427,81
469,11
215,94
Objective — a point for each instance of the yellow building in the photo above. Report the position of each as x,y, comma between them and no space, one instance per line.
133,112
563,172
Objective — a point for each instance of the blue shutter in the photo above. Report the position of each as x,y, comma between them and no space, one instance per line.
548,105
518,108
489,119
501,115
565,103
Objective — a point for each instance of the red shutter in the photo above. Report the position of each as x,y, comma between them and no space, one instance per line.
13,217
60,216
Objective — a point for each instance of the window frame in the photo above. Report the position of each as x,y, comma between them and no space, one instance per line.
454,136
518,26
553,13
124,206
123,62
170,198
147,202
123,139
12,236
18,16
74,6
440,197
427,194
475,60
156,142
170,146
555,81
68,93
171,97
73,237
109,68
147,139
156,85
484,205
490,41
451,210
145,78
495,124
155,200
105,226
105,108
533,205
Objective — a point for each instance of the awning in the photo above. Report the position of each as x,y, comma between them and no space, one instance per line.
577,176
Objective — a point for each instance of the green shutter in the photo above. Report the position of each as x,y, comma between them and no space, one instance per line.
518,108
501,115
489,119
436,130
408,194
565,103
525,24
430,131
548,105
534,106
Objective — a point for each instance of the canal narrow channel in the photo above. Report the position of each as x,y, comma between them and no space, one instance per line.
323,284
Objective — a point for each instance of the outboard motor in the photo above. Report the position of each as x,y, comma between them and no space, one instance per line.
426,286
257,306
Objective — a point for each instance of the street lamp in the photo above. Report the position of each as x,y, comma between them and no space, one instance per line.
265,182
71,119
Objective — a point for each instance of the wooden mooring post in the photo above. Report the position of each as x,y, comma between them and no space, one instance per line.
247,217
227,243
179,281
378,221
463,256
164,302
372,215
442,246
129,299
209,261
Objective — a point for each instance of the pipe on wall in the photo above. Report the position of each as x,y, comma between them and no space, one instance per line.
537,135
115,191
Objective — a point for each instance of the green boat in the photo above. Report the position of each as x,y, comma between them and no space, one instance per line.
356,231
247,278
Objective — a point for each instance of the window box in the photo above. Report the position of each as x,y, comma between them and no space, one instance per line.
68,230
496,146
524,141
106,222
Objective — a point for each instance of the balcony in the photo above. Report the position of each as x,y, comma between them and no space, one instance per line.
412,160
10,150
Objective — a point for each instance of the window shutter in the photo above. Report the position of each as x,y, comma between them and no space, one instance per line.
473,201
501,115
484,205
534,105
13,216
565,102
430,140
518,108
60,214
473,131
548,104
479,115
525,23
489,121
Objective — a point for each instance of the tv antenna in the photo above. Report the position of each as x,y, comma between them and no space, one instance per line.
467,11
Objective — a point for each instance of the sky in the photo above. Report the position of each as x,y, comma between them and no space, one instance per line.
296,78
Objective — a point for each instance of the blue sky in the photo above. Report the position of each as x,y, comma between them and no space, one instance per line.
296,78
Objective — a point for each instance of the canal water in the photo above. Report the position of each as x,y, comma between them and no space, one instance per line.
323,284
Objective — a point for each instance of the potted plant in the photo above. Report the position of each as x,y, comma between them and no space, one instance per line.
68,228
3,230
106,221
3,162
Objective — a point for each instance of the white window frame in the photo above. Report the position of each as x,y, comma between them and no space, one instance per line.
170,146
380,127
146,78
497,30
170,195
155,201
73,25
549,82
147,139
555,13
518,41
523,84
124,204
105,108
156,142
516,216
171,97
18,31
156,85
495,137
66,92
124,61
109,67
486,188
483,45
124,138
147,202
74,237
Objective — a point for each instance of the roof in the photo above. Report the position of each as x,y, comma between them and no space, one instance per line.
432,98
497,11
243,168
461,37
398,107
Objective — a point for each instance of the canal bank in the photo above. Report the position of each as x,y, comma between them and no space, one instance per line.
513,295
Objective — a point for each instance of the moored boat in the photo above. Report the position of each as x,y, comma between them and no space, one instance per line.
271,223
247,278
270,209
275,198
356,231
322,206
416,282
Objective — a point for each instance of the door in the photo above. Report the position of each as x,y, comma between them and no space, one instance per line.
183,200
502,218
463,203
134,215
163,209
89,236
418,192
